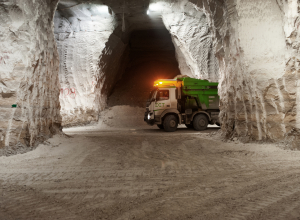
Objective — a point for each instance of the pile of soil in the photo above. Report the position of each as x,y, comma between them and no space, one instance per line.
122,117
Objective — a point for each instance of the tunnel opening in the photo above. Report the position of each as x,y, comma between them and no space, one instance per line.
151,56
111,57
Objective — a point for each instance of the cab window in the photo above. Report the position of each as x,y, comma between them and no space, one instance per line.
162,95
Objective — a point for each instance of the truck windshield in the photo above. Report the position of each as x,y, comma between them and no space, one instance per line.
151,96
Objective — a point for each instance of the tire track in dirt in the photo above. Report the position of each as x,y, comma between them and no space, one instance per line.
22,203
292,211
128,176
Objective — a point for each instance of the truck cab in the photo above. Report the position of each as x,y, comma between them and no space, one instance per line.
188,101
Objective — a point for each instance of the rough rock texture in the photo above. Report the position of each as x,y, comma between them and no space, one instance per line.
257,45
80,42
89,60
193,39
259,76
28,74
193,35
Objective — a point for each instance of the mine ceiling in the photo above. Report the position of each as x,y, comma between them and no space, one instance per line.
134,12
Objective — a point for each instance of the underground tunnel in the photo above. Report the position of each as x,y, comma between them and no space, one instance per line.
87,49
151,57
74,73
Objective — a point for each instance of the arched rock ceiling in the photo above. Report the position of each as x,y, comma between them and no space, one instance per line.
135,11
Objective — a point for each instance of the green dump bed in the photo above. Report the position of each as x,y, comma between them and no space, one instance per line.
205,92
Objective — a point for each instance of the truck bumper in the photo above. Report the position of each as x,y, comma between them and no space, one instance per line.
148,121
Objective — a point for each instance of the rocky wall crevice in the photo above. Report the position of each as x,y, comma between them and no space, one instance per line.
110,70
29,86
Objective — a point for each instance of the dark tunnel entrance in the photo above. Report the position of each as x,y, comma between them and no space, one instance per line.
151,57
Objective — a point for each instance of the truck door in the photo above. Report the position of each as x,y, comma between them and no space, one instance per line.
162,101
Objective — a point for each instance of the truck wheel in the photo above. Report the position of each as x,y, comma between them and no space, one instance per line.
170,123
189,125
160,126
200,122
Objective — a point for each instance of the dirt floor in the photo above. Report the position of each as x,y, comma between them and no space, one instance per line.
146,173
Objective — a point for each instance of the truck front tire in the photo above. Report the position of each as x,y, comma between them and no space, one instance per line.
170,123
200,122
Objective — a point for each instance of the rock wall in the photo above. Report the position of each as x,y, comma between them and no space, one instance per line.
192,38
258,85
89,60
257,46
112,65
28,75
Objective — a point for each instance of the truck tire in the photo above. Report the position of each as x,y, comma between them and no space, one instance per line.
189,125
170,123
200,122
160,126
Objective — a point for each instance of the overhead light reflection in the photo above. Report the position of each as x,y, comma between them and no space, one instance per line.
103,9
156,7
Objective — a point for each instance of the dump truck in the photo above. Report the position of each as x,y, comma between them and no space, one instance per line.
189,101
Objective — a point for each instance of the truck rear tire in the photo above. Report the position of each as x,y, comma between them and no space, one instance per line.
160,126
189,125
200,122
170,123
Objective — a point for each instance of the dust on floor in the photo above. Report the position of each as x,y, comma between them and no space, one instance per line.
147,173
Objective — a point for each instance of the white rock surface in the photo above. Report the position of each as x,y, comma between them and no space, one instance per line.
28,75
192,38
258,86
89,54
257,44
